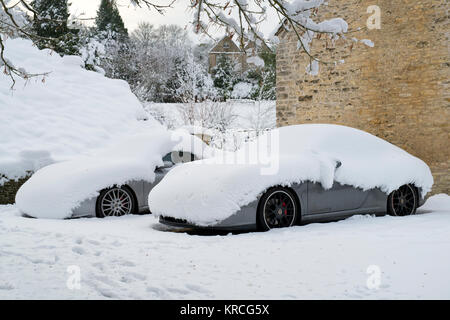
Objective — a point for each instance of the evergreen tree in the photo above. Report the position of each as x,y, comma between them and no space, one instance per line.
224,76
51,23
264,77
108,20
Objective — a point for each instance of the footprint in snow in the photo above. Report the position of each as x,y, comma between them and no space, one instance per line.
99,266
138,276
124,263
196,288
178,291
6,286
159,293
78,250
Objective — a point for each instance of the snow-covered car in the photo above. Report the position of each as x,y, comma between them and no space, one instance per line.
113,182
314,172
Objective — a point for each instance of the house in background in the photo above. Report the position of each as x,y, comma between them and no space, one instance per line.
397,89
226,46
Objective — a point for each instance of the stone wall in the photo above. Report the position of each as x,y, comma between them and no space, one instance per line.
397,90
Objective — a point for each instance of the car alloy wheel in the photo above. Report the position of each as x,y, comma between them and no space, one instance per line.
279,209
403,201
115,202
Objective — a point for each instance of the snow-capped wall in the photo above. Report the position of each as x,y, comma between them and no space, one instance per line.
71,112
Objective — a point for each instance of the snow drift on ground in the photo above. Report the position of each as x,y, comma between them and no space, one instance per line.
55,190
130,257
72,112
211,190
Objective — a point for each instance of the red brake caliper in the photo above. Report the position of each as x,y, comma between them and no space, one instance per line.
285,210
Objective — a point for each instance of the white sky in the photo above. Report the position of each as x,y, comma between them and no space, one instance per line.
132,15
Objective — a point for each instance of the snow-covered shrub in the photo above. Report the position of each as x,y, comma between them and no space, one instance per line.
242,90
208,114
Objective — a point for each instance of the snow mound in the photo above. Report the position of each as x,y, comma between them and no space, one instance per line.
206,192
72,112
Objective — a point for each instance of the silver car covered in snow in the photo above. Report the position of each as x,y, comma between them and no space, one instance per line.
323,172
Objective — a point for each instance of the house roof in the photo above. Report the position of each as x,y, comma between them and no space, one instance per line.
282,27
233,48
218,47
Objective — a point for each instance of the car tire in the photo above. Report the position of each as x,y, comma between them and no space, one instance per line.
403,201
114,202
278,208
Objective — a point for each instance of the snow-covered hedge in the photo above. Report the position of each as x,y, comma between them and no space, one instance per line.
68,113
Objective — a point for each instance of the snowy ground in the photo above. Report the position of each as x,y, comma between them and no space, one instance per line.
129,258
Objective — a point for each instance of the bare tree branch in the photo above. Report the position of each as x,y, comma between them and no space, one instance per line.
294,15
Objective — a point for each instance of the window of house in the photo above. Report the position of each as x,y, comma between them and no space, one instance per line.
226,45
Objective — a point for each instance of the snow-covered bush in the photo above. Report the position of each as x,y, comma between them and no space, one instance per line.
208,115
242,90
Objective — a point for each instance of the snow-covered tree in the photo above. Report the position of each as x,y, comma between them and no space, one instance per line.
239,17
201,52
264,77
50,24
225,76
105,47
109,23
165,66
191,81
52,17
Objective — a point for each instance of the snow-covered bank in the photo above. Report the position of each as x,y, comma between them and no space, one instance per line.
362,257
71,112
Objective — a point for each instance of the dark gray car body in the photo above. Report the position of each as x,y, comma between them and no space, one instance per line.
316,205
140,188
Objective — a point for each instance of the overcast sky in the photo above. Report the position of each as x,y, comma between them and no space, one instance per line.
132,15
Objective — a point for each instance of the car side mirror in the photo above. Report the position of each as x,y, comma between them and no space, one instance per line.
338,164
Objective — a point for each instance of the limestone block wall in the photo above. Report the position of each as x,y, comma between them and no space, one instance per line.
397,90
